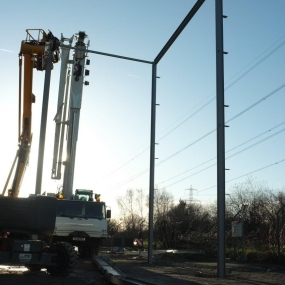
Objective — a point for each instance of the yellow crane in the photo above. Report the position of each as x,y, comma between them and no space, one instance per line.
34,52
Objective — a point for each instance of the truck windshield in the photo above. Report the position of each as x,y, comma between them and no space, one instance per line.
80,209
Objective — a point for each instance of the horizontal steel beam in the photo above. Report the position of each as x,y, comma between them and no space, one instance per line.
108,54
178,31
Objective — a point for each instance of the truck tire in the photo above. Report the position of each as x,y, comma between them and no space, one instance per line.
65,260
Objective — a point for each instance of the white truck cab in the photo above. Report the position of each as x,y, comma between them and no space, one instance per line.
82,222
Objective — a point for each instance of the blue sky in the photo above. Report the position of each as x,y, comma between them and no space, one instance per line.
113,145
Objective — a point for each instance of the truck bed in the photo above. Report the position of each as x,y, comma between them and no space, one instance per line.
33,215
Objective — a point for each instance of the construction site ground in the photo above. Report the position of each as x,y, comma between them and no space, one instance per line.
173,269
167,269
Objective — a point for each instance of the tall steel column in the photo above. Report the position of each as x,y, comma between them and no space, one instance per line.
152,160
220,138
43,124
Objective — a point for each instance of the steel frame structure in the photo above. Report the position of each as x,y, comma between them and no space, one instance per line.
220,124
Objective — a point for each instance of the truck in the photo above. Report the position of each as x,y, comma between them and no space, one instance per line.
27,224
82,221
81,217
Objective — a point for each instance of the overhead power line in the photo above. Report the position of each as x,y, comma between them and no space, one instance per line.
184,148
251,146
147,169
271,129
226,88
256,64
280,161
127,162
184,121
236,116
132,177
257,102
206,104
259,142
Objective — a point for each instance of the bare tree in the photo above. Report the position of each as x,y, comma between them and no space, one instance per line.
131,211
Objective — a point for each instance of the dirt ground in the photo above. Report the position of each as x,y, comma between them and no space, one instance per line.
84,274
167,269
173,269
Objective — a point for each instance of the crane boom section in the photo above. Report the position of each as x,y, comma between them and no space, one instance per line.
29,98
60,117
35,51
76,90
67,120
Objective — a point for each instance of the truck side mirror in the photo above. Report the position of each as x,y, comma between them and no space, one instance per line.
108,214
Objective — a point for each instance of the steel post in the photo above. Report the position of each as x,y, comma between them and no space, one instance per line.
220,138
152,166
43,124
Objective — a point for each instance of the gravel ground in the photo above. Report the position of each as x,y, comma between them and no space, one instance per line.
167,269
173,269
85,274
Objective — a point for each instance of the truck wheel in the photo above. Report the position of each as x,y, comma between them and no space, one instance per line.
65,260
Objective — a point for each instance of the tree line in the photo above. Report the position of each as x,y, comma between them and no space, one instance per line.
190,225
